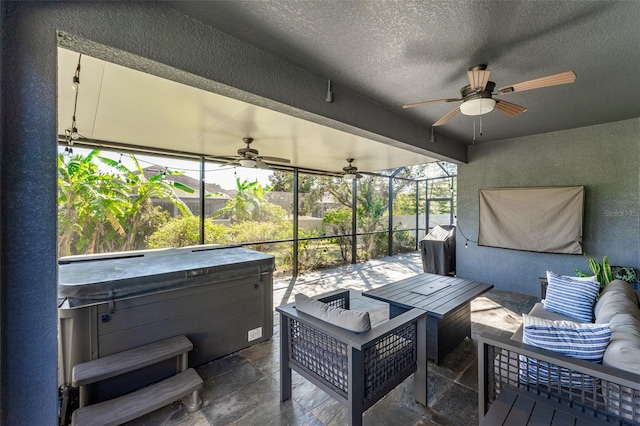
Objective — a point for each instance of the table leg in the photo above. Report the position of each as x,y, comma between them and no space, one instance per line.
420,376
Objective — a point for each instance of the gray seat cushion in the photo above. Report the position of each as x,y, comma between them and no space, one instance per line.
355,321
619,285
618,306
624,349
617,297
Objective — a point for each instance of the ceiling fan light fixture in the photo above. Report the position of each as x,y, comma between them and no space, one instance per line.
247,162
349,177
478,106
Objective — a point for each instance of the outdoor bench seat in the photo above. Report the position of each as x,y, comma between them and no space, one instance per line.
605,387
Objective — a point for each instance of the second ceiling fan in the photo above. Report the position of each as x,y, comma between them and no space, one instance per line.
250,157
477,96
350,172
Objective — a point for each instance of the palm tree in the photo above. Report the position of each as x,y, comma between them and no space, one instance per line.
142,192
90,204
246,204
106,211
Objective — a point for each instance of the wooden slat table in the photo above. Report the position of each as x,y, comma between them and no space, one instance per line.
447,301
519,407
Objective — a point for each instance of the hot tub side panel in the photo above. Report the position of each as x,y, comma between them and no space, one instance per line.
219,318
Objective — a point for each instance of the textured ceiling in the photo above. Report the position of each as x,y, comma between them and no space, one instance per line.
397,52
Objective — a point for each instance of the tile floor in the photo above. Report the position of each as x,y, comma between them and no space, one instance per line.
243,388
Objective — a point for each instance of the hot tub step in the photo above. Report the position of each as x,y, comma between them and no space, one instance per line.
123,362
127,407
135,404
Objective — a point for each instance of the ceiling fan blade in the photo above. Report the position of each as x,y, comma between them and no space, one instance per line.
224,161
508,108
551,80
275,159
434,101
261,164
478,78
448,116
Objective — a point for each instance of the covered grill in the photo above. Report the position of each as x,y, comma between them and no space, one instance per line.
438,250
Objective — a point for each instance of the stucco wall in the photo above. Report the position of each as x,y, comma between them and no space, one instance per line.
603,158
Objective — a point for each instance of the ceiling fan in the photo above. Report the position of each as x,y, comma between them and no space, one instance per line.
477,96
249,157
350,172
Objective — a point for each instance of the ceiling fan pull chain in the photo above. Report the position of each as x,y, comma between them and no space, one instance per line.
480,125
474,131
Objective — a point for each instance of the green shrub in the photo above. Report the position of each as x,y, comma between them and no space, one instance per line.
338,222
310,253
403,241
250,231
185,231
271,213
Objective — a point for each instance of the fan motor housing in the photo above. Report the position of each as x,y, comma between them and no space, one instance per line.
468,93
248,152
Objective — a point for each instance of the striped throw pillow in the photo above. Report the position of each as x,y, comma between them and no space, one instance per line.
571,297
583,341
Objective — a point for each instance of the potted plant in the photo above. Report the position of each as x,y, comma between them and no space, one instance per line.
605,273
602,272
626,273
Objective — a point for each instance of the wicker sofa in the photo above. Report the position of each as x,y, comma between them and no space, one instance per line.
605,392
357,369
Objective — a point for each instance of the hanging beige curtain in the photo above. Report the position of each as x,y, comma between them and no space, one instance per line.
533,219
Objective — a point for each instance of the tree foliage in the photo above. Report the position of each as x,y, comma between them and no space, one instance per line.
249,205
310,189
104,206
184,231
338,222
252,219
112,210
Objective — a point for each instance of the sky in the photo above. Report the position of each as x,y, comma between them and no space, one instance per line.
224,175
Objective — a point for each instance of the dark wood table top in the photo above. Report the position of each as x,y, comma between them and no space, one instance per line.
436,294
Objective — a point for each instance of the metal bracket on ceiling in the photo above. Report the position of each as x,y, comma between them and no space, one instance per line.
329,97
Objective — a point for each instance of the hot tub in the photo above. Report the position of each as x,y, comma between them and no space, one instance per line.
220,297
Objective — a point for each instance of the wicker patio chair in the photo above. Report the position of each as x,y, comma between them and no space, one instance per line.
355,369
